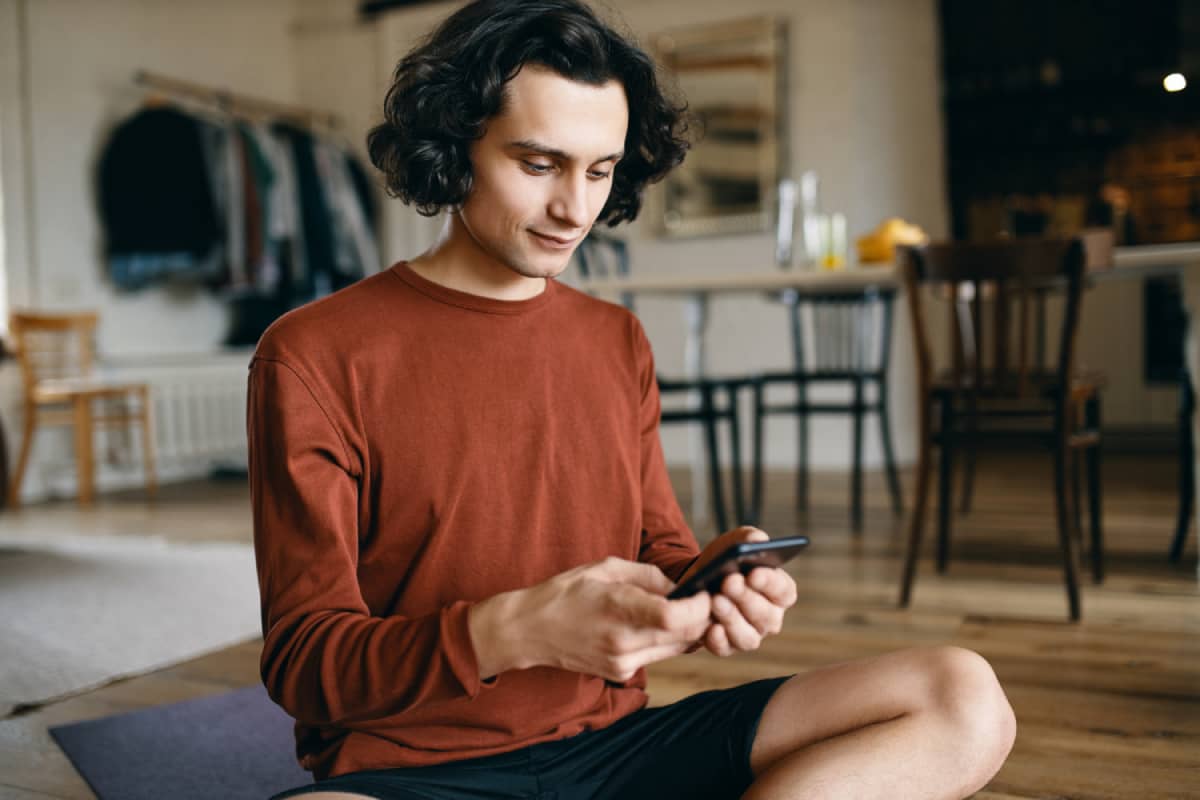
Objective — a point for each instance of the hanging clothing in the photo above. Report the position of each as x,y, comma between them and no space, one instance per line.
284,261
156,202
269,216
318,280
355,251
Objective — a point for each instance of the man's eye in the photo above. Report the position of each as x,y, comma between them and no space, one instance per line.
599,175
537,168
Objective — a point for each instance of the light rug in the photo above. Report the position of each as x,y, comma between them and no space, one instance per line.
80,612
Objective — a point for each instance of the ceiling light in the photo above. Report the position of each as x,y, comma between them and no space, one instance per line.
1175,82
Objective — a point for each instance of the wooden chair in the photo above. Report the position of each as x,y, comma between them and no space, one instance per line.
56,354
985,396
843,339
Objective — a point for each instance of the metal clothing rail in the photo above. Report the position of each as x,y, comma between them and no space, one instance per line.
233,102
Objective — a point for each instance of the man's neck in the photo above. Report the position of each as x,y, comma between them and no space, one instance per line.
457,262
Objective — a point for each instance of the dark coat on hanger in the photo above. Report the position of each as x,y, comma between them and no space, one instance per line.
154,190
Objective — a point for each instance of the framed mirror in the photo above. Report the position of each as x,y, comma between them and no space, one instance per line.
732,75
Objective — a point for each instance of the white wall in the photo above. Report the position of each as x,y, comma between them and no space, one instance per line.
82,56
13,148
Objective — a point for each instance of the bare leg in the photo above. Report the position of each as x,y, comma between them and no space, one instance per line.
922,723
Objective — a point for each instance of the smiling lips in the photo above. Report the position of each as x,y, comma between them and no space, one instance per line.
554,242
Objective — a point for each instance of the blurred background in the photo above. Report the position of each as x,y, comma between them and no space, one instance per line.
176,175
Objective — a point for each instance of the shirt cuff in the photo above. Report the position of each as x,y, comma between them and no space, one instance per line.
459,652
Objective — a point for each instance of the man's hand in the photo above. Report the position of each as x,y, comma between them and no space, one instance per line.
607,619
749,608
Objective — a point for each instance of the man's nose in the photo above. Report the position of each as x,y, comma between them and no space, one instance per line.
569,204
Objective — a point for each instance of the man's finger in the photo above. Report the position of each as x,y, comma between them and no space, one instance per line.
741,633
645,576
774,584
673,618
754,534
717,641
755,608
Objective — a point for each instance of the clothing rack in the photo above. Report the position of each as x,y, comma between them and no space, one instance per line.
233,102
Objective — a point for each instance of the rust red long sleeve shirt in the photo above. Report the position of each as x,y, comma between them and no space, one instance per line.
414,450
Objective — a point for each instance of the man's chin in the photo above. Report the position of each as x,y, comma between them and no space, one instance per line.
541,269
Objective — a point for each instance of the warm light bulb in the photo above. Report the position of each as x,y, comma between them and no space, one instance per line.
1175,82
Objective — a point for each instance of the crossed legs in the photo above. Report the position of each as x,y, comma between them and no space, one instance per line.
921,723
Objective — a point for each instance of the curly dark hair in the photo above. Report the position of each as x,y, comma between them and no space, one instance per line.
444,92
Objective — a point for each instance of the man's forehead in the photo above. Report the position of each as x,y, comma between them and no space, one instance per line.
579,119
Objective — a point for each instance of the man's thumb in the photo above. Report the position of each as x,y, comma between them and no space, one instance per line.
644,576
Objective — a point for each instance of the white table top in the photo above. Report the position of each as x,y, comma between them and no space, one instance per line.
1149,258
853,277
1128,262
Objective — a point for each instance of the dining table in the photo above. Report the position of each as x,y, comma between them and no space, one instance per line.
695,291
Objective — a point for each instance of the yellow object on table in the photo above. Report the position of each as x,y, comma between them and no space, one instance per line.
879,246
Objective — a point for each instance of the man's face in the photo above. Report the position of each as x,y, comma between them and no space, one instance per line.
543,170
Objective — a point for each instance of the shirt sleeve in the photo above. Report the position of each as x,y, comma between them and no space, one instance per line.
326,660
667,541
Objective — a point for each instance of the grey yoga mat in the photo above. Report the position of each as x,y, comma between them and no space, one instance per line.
233,746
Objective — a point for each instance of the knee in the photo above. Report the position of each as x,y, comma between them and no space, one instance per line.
964,691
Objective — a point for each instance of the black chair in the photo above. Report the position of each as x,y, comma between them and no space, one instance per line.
1187,474
600,256
994,400
840,338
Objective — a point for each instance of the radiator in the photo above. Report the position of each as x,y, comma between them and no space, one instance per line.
199,415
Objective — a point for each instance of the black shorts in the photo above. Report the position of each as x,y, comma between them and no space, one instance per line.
697,748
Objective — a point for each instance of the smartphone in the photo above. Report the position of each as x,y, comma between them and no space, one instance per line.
739,558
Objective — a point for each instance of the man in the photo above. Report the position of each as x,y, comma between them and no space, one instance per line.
464,529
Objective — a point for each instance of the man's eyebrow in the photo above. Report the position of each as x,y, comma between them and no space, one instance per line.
554,152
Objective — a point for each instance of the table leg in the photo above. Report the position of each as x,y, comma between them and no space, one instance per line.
1191,301
696,317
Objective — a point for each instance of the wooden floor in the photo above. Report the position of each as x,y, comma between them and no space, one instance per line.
1107,708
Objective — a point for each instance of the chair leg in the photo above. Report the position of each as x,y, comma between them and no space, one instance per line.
802,448
970,454
148,460
968,487
756,480
916,524
84,457
1066,539
716,485
1095,493
945,482
856,510
1075,461
735,455
1187,474
28,427
889,454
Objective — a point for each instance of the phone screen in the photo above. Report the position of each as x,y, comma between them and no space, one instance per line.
739,558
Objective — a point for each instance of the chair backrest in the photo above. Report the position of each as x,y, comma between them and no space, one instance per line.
844,332
54,346
1004,271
